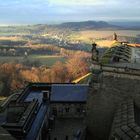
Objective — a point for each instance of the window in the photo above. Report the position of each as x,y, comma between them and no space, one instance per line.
54,111
78,110
67,109
61,110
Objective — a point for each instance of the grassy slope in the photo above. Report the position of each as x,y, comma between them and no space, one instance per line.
94,35
44,60
47,60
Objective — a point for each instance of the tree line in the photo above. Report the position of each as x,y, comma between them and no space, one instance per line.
15,76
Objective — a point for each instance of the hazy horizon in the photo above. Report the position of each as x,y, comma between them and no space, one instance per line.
113,22
20,12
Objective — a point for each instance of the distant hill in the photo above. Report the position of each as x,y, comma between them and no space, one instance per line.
64,28
131,25
86,25
132,28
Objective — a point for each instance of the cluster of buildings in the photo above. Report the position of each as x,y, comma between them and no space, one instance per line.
45,112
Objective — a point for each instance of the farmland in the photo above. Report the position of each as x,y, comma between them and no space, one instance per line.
89,36
40,59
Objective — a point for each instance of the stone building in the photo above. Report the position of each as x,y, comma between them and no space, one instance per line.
68,110
29,115
26,116
68,100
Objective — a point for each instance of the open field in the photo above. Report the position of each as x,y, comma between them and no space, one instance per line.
101,34
47,60
86,36
93,35
12,38
42,59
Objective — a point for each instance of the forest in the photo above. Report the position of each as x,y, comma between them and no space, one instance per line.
14,76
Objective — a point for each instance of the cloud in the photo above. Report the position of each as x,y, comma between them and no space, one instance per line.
44,11
78,2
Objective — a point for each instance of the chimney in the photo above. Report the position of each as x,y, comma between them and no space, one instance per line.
46,96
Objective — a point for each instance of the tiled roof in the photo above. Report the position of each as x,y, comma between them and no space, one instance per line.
124,125
69,93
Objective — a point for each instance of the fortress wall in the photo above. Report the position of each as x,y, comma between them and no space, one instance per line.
103,102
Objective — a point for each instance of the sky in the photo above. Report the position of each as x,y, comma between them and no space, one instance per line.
58,11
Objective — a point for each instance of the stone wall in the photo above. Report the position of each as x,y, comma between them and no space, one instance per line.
68,109
103,102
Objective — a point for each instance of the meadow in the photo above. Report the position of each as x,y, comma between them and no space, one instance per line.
90,36
41,59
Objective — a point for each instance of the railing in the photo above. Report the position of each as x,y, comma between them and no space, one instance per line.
82,80
7,101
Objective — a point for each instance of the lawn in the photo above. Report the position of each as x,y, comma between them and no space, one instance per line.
47,59
42,59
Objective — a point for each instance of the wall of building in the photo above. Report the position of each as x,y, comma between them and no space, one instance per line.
68,109
103,102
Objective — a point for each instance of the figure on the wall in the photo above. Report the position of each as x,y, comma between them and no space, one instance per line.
95,53
115,37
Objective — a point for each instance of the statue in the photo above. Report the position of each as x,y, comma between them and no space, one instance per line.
95,53
115,37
